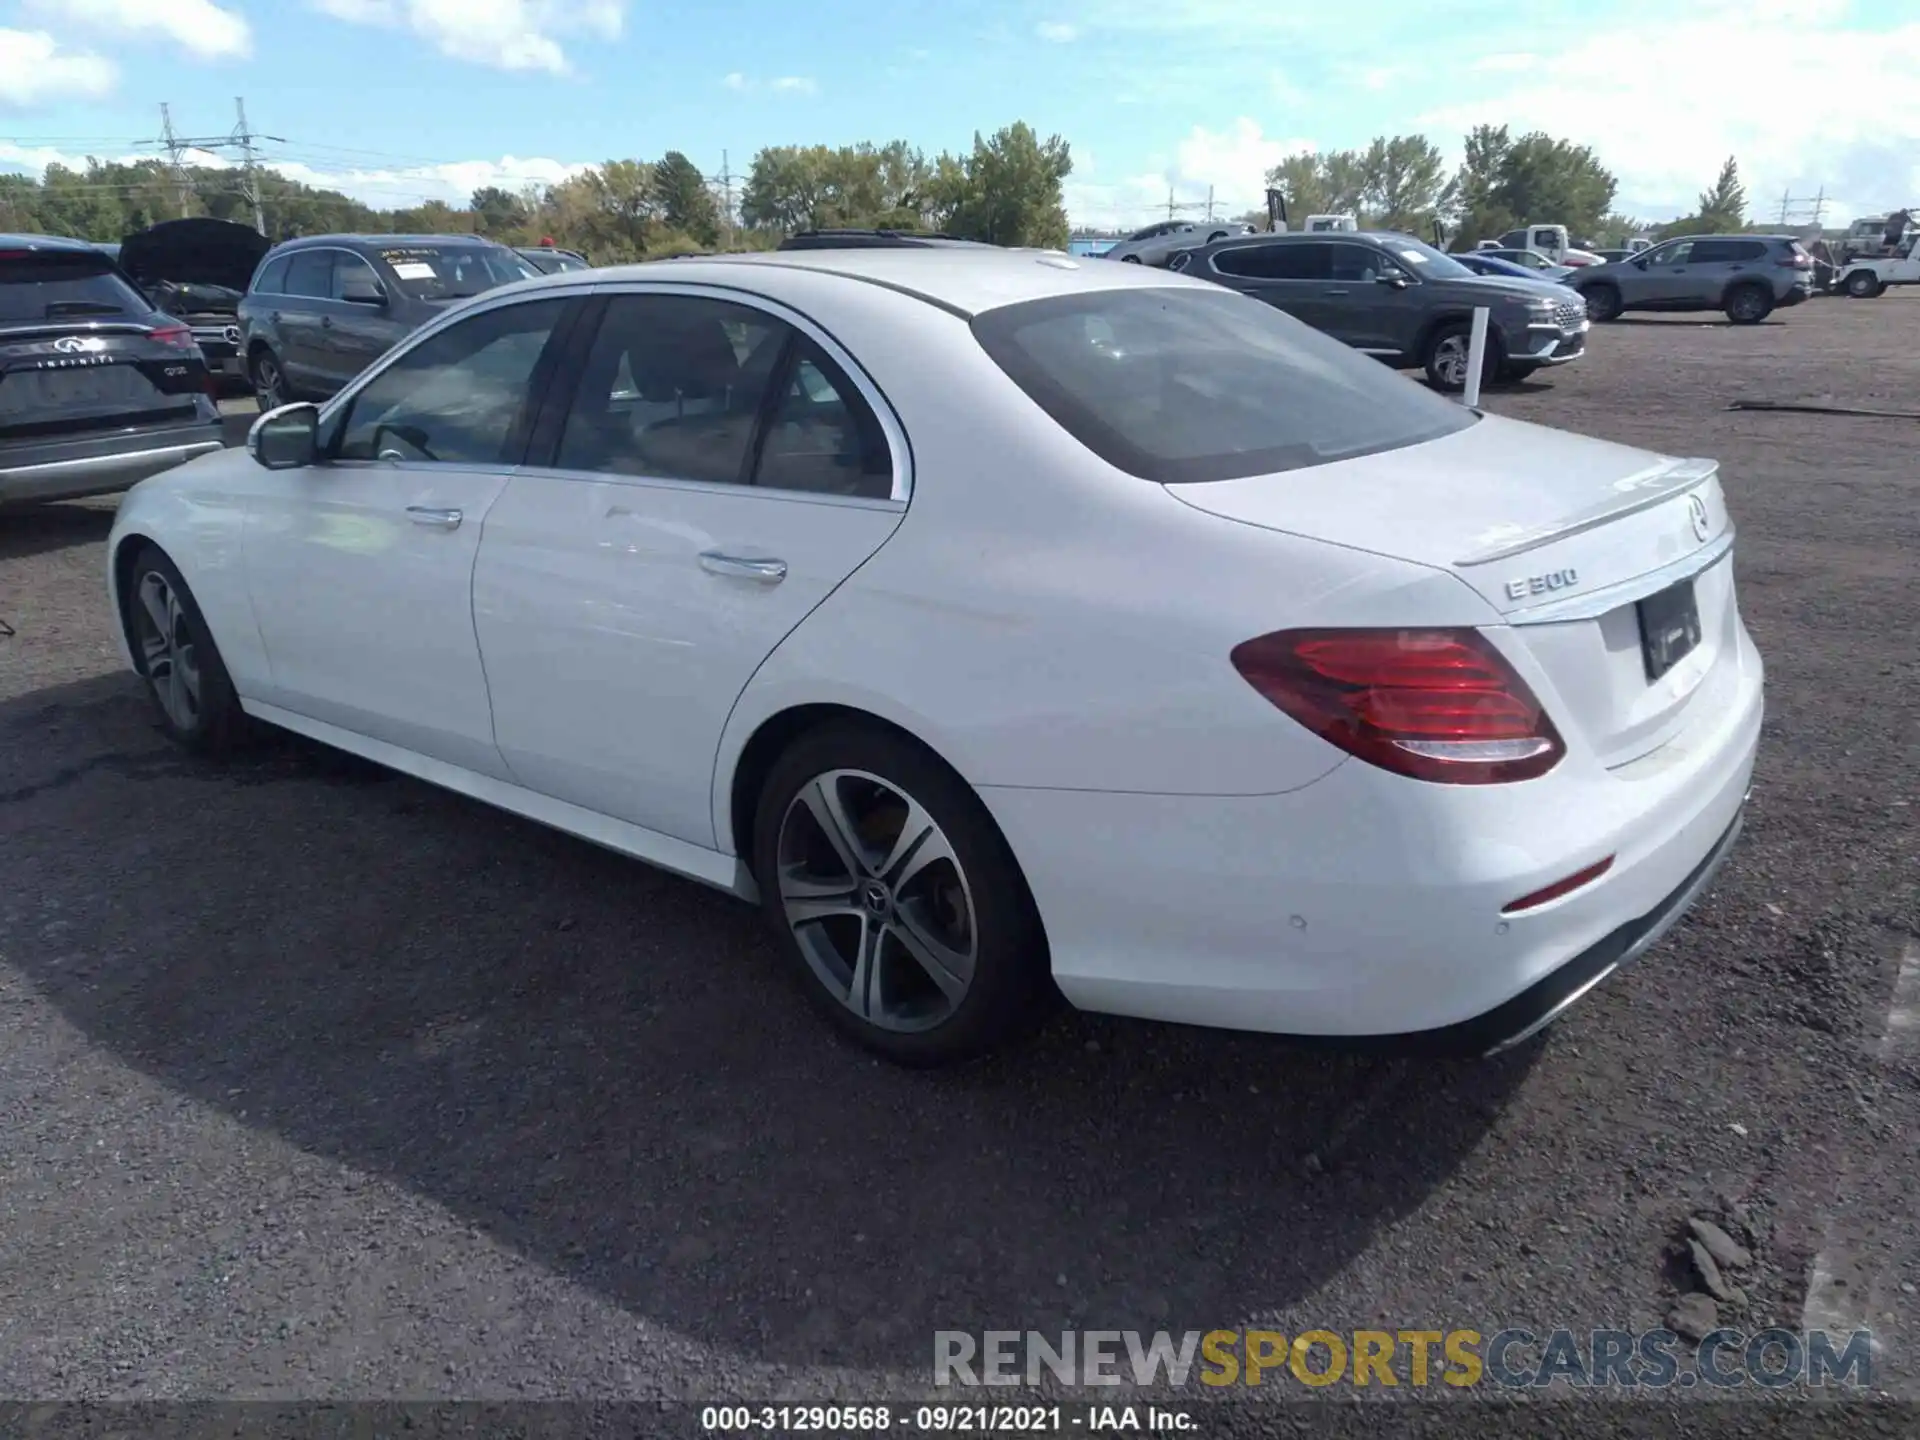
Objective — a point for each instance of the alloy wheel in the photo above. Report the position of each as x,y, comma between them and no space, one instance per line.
877,900
1450,358
167,651
266,380
1746,304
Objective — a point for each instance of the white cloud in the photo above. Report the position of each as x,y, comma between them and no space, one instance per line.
1232,162
199,27
736,81
1057,31
796,85
35,70
1506,61
1810,104
506,34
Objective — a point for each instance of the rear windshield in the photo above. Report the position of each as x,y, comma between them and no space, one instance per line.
453,272
1181,384
46,286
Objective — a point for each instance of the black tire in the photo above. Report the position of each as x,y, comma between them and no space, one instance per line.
1749,304
213,722
1010,993
268,379
1603,301
1434,359
1131,260
1516,371
1864,285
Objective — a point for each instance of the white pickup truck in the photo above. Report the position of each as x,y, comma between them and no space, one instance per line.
1864,279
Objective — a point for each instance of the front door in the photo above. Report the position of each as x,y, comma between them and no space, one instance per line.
356,332
718,472
362,565
1378,318
1669,275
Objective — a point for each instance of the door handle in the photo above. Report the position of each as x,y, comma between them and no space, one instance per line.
1336,292
766,570
426,515
326,322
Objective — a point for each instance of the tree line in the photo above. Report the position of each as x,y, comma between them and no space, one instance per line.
1007,190
1400,182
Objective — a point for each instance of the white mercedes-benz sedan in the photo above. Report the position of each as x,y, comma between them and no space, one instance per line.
1008,626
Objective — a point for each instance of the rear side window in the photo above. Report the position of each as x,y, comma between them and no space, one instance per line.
1182,385
1746,250
49,285
1274,262
273,279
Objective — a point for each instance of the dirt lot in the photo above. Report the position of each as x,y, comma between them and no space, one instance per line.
316,1082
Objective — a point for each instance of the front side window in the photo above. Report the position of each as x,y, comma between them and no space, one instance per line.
350,270
1183,384
1678,253
1359,264
459,396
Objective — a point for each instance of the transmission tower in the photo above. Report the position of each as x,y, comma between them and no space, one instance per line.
1806,211
241,139
176,159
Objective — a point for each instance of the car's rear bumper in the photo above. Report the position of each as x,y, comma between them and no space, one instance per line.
1370,911
101,464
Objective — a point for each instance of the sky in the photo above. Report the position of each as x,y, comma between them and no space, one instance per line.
398,101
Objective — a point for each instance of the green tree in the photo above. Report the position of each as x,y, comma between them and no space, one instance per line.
1404,182
685,203
1298,179
1536,179
1008,191
498,213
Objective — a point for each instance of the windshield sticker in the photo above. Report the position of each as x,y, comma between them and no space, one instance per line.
413,270
1414,255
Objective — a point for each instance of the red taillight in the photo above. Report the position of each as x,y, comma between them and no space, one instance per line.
175,337
1440,705
1559,887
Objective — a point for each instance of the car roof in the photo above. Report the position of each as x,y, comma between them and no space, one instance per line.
964,282
52,244
377,240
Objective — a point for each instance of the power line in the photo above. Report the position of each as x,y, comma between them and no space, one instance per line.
241,138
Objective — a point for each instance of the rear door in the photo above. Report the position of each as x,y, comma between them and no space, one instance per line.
713,468
296,316
80,350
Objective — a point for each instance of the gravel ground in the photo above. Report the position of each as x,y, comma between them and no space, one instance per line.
318,1083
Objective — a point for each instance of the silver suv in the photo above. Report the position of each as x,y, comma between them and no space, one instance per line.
1747,276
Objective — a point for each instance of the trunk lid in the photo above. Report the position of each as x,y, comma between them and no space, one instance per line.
1562,534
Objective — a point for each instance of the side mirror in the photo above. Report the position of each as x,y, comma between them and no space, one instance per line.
363,292
1392,282
287,438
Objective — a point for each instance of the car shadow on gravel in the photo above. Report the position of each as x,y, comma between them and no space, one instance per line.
37,529
604,1068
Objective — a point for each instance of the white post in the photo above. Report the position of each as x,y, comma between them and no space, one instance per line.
1476,357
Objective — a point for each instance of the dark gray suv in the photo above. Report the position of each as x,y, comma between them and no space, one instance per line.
1401,300
323,308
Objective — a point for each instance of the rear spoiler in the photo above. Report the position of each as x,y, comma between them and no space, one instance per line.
1636,492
